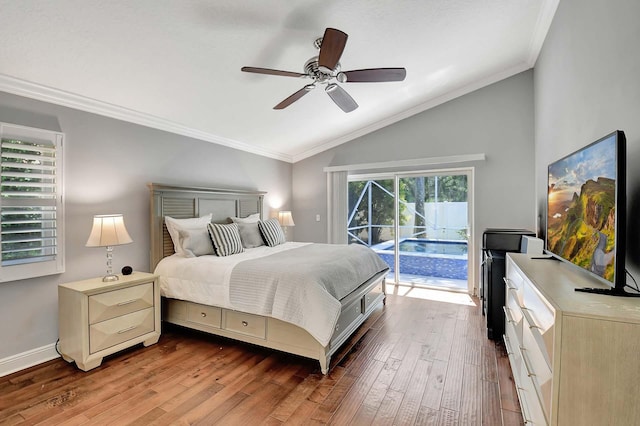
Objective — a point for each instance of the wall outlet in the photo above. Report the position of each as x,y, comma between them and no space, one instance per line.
317,218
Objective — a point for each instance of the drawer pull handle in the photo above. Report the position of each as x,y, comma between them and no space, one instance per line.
203,314
507,314
127,329
526,363
127,302
244,323
507,281
507,344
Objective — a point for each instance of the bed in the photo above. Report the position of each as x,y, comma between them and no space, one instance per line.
252,296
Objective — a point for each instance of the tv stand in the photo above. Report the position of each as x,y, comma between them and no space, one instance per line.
573,354
607,291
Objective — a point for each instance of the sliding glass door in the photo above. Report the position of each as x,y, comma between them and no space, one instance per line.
417,222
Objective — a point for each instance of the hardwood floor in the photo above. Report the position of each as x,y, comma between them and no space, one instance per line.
415,361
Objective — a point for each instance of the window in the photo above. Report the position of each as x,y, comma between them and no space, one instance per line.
31,204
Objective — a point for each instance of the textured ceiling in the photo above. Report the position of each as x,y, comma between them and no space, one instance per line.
175,65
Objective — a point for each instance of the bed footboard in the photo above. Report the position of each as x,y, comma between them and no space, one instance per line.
273,333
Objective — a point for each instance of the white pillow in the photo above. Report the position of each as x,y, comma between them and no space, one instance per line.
174,226
252,218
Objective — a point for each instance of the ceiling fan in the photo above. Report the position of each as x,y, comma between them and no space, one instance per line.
325,68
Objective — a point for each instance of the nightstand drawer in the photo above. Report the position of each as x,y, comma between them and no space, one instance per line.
118,330
116,303
244,323
205,315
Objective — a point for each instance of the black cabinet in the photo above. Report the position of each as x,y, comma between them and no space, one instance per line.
495,245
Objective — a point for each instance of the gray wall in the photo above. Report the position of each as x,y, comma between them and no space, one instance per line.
108,164
587,84
496,120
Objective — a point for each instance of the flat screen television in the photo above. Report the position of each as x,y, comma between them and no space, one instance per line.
586,209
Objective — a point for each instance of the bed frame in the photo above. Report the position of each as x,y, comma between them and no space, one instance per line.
188,202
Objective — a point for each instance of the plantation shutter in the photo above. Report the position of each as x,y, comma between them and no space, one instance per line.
30,202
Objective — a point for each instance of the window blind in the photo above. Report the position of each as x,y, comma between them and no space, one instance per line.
30,200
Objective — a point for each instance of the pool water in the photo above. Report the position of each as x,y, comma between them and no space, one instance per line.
432,247
428,258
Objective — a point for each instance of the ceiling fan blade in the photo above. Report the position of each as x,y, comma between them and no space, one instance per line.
297,95
341,97
372,75
333,43
272,72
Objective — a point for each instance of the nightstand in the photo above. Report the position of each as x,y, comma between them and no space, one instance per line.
97,318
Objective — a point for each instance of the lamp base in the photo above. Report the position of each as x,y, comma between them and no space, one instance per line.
110,278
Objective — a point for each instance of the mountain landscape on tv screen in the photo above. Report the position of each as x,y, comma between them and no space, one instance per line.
581,229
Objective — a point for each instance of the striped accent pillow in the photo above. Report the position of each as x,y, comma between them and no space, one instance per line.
225,238
271,232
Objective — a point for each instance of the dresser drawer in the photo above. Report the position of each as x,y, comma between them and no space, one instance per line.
514,280
532,412
348,315
205,315
513,315
543,314
512,345
243,323
537,365
117,330
116,303
541,320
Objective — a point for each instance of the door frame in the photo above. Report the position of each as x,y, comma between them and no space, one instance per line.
471,243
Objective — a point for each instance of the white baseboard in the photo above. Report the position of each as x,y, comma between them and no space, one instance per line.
27,359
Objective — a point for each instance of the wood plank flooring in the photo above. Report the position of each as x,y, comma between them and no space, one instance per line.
414,362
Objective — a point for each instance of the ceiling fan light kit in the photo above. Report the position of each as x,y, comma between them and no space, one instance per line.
325,68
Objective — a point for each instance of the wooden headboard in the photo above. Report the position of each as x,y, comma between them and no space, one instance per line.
185,202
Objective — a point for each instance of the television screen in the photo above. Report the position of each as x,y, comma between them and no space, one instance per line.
586,209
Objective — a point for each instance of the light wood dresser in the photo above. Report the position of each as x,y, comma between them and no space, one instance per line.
96,319
575,356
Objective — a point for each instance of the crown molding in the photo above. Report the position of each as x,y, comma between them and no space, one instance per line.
543,23
43,93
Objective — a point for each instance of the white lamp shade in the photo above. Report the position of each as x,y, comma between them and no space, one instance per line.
108,230
285,218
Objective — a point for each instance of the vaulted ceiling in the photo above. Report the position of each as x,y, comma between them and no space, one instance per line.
175,65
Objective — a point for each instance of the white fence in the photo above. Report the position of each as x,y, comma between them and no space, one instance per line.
444,221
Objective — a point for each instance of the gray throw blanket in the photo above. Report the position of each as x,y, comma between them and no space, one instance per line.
304,285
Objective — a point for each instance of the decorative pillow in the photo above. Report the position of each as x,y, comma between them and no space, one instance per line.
252,218
250,235
195,242
225,238
271,232
174,226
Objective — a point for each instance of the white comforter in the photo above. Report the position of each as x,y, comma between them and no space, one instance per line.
309,302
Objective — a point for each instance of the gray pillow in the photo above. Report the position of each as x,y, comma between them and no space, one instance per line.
250,235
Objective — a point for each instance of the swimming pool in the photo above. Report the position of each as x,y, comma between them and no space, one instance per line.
429,258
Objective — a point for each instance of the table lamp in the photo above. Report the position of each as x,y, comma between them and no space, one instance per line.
108,231
286,220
